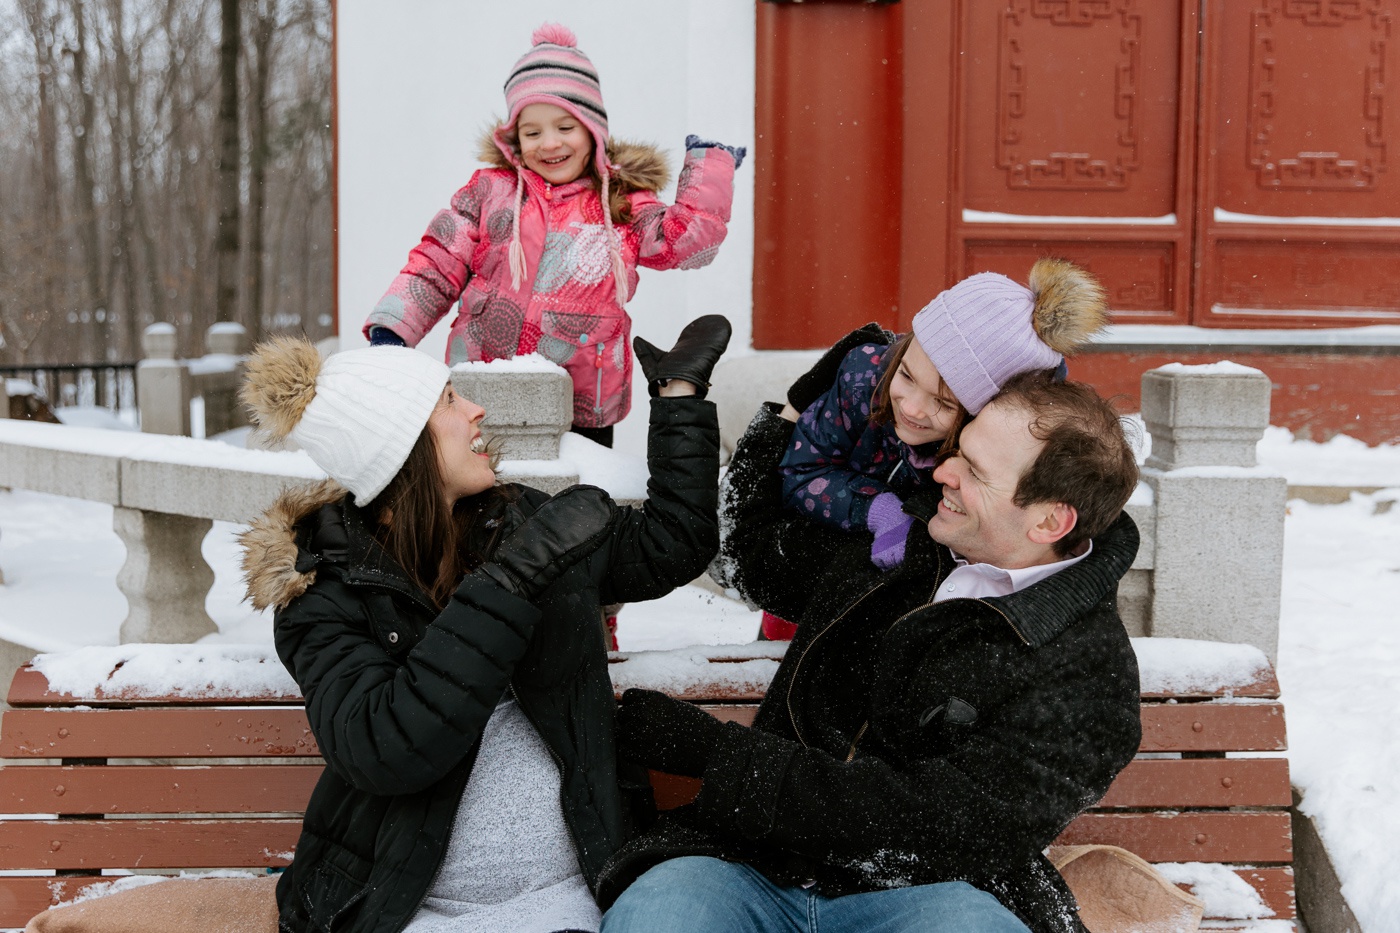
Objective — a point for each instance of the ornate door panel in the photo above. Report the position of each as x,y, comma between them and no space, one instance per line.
1075,139
1300,209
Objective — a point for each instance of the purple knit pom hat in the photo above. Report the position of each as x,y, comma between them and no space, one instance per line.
979,334
554,71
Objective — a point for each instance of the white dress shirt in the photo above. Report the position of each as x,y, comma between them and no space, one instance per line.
978,581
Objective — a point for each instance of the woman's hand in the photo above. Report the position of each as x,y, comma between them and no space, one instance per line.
558,535
691,360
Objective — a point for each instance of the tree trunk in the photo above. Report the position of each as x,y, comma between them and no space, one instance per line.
226,240
85,221
264,30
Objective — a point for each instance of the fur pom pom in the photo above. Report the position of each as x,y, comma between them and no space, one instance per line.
279,382
1070,305
554,34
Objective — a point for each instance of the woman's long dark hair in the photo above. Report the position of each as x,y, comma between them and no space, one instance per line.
435,543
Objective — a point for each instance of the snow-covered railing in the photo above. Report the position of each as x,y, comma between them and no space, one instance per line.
166,491
1211,561
1210,565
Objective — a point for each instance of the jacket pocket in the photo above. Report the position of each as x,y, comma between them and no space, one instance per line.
330,897
593,348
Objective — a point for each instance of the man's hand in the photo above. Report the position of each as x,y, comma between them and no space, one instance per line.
665,734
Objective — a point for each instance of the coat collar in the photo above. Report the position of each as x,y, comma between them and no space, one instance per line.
1041,612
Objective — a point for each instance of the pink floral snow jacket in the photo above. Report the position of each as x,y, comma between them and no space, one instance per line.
566,308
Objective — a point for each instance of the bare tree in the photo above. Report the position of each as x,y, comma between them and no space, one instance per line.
226,239
123,181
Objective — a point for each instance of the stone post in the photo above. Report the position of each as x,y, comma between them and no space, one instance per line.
526,407
220,375
4,399
163,384
165,578
1218,566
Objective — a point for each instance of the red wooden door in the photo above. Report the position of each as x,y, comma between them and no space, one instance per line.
1075,134
1299,216
1214,162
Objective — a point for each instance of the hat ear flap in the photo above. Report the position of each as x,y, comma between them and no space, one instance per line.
279,382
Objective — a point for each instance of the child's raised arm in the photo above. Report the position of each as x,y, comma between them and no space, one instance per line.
687,234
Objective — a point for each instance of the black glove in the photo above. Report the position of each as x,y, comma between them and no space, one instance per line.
664,733
562,532
693,357
812,384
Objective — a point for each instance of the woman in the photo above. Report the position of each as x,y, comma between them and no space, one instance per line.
444,632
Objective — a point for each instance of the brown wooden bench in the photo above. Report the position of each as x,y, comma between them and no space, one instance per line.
231,776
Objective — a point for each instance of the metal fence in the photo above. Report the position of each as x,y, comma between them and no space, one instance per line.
65,385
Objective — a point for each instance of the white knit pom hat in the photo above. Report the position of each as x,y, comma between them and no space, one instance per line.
358,413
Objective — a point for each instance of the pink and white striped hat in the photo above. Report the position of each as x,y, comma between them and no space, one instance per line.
556,72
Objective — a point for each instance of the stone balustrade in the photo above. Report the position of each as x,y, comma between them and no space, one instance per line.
1211,561
1210,565
165,386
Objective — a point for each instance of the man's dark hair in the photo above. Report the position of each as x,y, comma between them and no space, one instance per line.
1087,461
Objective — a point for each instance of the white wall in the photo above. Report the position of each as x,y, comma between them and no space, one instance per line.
419,81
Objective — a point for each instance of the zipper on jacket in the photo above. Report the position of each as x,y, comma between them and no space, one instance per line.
598,385
860,733
792,681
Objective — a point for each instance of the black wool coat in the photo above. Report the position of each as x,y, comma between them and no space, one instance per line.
398,694
901,741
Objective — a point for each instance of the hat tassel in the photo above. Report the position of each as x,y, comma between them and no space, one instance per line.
517,251
614,249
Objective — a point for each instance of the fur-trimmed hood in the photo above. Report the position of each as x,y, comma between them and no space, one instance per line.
270,551
639,166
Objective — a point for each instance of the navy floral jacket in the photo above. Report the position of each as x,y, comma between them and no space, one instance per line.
839,460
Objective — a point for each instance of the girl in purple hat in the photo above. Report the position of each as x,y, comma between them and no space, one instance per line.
542,248
871,436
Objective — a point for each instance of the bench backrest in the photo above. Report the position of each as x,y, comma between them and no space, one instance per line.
168,783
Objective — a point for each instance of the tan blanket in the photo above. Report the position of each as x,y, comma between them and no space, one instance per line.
1120,893
1117,893
182,905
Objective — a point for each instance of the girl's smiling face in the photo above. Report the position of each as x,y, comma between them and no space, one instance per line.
554,144
921,404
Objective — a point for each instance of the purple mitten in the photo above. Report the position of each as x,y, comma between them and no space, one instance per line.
890,526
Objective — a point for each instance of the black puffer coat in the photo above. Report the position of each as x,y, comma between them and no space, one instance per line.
906,742
398,694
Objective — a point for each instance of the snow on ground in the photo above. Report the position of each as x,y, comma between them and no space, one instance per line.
1339,652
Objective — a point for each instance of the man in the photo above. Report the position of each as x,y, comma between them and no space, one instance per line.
931,729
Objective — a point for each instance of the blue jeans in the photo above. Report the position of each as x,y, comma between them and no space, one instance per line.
707,895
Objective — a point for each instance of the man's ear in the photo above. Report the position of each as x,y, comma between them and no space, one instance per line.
1056,521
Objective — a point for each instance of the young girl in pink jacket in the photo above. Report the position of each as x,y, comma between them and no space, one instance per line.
542,248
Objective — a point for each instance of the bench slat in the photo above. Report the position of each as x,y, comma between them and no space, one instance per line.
214,732
22,898
31,688
158,788
1200,782
1249,836
1213,727
210,732
120,843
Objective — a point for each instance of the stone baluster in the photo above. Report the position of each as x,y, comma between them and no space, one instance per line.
1218,565
165,578
163,383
